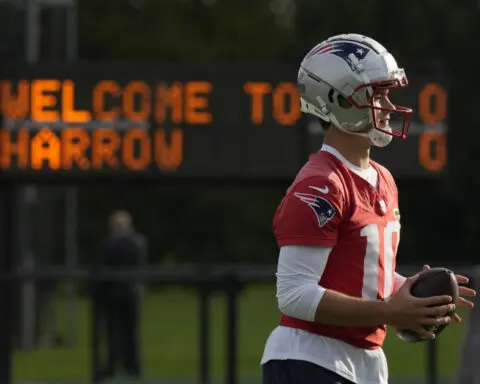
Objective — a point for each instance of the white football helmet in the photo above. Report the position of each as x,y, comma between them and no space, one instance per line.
337,80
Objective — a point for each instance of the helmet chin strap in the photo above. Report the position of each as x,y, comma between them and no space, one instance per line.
377,138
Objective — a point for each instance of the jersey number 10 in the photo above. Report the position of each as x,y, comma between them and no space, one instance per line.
379,263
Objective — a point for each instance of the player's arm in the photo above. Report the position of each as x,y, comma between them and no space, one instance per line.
299,295
336,308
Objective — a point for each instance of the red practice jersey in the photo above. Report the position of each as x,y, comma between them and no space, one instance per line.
329,205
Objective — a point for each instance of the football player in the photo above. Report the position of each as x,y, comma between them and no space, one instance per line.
338,228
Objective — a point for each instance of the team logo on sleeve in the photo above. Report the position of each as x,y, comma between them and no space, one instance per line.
322,207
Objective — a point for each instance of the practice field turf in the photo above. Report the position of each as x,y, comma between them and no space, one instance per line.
170,340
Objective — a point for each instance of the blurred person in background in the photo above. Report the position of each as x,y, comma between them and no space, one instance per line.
338,229
119,301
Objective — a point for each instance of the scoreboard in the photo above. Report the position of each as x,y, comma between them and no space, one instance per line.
225,121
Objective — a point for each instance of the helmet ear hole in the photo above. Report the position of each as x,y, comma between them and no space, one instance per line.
343,102
330,95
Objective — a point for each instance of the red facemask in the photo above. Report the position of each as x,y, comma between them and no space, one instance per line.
370,89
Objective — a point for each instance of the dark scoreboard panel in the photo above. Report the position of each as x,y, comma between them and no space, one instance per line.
188,122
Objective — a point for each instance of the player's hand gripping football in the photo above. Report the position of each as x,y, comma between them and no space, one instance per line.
463,292
420,315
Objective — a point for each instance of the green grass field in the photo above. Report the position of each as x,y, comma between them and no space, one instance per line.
170,340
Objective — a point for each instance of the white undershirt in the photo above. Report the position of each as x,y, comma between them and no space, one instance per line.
298,272
370,174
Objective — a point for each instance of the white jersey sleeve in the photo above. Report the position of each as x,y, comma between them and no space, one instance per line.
299,271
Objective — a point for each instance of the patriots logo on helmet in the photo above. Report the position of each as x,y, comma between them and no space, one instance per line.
349,51
322,207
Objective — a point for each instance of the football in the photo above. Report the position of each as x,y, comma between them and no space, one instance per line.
431,282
